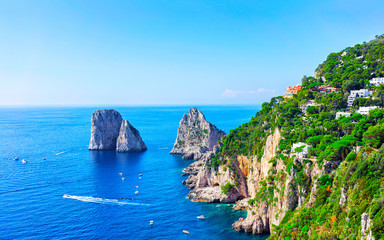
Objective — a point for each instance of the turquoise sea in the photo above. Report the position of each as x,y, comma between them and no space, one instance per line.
54,140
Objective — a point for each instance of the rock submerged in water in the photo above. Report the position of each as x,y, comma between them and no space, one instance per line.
196,137
129,139
105,129
110,132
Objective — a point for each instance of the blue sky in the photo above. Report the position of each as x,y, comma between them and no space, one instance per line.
192,52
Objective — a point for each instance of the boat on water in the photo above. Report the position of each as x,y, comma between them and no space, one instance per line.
16,158
24,161
121,174
65,196
151,222
201,217
185,231
137,192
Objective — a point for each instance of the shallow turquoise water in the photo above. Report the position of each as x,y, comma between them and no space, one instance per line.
101,205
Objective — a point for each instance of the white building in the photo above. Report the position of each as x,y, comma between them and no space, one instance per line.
305,106
376,81
360,93
357,93
345,114
365,110
303,153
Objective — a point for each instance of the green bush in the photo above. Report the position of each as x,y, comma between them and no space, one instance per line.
226,188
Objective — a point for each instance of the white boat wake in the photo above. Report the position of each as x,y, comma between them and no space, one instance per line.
102,200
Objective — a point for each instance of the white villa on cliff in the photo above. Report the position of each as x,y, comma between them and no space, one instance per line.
356,94
365,110
345,114
304,151
376,81
308,104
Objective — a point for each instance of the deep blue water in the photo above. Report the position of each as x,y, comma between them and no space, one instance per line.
103,206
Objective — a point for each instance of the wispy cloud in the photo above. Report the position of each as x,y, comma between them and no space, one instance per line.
230,93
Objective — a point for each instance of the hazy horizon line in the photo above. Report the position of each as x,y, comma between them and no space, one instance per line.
122,105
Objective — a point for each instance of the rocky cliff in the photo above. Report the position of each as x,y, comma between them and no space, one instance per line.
263,212
110,132
246,179
331,191
196,137
242,177
105,129
129,139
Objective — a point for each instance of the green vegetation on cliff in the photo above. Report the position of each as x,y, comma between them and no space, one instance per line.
350,147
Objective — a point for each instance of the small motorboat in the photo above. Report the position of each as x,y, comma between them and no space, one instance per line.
140,174
218,205
137,186
65,196
121,174
16,158
139,177
201,217
151,222
24,161
185,231
123,178
137,192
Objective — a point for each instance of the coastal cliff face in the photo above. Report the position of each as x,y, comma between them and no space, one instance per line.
242,178
129,139
263,212
196,137
245,184
110,132
300,171
105,129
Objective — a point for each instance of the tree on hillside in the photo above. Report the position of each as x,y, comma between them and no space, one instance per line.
374,136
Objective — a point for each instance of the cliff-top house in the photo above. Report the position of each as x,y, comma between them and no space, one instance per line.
345,114
355,94
376,81
324,88
292,90
300,150
365,110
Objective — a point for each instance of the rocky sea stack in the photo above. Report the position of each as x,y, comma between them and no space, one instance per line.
110,131
129,139
196,138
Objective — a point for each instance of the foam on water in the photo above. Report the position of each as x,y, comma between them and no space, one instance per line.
102,200
59,153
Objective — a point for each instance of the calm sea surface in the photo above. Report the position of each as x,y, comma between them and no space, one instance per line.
101,205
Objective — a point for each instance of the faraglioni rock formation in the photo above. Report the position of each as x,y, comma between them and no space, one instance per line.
129,139
110,132
105,129
196,138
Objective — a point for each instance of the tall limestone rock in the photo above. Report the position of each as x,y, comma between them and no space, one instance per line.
129,139
105,129
110,132
196,137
